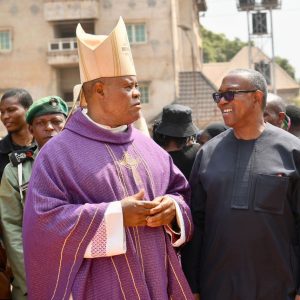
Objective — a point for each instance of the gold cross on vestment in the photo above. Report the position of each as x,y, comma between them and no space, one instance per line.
130,162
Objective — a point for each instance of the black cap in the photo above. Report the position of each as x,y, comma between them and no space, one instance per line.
177,121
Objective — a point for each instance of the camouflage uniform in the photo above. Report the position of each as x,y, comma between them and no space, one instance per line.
12,196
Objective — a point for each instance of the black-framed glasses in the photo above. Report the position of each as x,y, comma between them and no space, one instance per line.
229,95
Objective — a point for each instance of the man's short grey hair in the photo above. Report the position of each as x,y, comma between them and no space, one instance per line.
277,102
256,80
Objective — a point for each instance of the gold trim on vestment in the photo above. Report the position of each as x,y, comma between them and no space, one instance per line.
146,168
122,180
119,171
129,162
118,277
137,292
61,253
177,279
137,244
135,239
190,224
166,254
140,248
75,256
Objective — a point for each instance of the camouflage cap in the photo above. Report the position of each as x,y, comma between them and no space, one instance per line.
46,106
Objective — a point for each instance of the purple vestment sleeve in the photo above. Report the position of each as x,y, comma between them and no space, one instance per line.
64,229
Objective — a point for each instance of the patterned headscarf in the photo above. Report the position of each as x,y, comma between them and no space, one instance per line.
286,124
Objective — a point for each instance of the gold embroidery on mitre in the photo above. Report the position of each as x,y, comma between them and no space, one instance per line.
131,163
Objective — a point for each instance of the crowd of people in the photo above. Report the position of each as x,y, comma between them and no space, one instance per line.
93,208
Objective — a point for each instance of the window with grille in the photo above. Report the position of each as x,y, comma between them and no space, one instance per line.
259,22
144,90
5,40
265,69
136,33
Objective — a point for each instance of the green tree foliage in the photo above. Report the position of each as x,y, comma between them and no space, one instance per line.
218,48
284,64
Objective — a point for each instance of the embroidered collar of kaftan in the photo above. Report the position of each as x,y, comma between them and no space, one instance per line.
115,129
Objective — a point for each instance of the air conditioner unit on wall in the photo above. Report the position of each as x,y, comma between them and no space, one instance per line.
270,3
246,4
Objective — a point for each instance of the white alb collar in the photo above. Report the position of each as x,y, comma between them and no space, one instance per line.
112,129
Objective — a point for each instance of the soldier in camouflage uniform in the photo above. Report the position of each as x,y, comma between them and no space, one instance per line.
46,117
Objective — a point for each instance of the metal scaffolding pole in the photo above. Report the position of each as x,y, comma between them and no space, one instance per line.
273,55
249,42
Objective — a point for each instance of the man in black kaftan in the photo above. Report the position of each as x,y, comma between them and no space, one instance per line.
245,202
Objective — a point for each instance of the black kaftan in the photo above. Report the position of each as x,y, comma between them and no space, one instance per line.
246,209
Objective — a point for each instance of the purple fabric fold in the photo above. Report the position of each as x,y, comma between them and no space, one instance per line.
75,176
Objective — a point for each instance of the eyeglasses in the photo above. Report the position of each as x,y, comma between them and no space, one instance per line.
229,95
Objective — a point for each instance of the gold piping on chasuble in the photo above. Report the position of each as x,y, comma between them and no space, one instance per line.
133,231
86,75
76,253
137,292
146,168
120,283
61,253
129,162
118,168
166,254
116,58
134,235
140,248
190,225
179,283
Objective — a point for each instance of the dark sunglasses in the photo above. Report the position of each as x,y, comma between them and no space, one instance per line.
229,95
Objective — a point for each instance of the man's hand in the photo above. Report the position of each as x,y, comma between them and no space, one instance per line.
163,213
297,297
135,210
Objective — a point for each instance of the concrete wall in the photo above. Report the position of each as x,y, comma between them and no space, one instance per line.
26,65
153,60
158,61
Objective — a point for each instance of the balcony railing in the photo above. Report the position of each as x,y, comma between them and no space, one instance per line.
65,44
63,52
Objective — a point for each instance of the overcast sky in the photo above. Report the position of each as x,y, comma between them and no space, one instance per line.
222,16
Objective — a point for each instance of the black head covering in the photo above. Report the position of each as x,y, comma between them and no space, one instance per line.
177,121
214,129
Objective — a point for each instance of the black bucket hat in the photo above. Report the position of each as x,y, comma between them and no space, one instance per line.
176,121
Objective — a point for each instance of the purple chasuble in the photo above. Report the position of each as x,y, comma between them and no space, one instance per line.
75,177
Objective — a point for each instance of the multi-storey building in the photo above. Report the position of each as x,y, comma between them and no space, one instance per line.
38,49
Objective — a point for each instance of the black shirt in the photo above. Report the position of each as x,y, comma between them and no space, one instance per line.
184,158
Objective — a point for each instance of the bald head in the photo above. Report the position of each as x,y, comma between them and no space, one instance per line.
113,101
275,111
